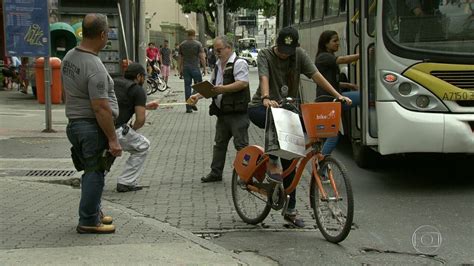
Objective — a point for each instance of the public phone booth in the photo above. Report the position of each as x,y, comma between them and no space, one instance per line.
72,12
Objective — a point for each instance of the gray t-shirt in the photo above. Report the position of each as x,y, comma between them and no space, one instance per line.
189,50
277,70
85,78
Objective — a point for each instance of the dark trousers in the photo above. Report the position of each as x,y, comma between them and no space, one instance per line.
89,141
190,74
228,126
258,115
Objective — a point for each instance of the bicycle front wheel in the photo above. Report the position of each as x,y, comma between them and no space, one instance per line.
251,206
333,209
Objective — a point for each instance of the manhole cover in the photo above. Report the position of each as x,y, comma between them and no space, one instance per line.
50,173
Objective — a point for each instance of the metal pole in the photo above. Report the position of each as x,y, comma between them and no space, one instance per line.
47,95
123,31
141,34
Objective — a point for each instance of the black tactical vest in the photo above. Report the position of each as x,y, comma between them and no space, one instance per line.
232,102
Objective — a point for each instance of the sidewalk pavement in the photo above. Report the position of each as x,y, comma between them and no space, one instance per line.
39,212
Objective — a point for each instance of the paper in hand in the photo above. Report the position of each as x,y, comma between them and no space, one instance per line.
205,89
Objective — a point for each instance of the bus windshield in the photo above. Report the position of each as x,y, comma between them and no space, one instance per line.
434,26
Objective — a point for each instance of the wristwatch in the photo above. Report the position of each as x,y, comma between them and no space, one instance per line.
264,97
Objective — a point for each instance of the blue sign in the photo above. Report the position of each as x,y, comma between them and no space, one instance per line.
26,27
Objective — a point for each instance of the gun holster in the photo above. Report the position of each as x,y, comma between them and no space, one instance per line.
76,160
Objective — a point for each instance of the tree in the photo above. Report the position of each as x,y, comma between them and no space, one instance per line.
208,8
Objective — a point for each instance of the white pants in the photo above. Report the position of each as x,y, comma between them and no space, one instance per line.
137,145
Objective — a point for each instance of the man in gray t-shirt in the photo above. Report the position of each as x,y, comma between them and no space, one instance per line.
191,53
91,107
279,66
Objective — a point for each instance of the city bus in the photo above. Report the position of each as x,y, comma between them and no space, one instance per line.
415,73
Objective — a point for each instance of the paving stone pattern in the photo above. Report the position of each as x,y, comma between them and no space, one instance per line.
36,215
180,154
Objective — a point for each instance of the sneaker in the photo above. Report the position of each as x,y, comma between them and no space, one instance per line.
293,218
276,177
194,107
98,229
126,188
274,171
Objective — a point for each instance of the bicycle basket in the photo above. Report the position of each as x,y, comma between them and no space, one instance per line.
321,120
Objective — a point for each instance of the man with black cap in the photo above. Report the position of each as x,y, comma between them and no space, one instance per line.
131,99
279,66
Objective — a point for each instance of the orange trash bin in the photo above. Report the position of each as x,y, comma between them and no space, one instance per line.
56,84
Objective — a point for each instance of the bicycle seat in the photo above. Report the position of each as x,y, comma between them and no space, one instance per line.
250,162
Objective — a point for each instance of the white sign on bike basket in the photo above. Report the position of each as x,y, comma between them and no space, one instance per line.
284,135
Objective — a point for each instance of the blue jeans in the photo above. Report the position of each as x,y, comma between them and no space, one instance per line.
331,143
258,116
88,141
190,74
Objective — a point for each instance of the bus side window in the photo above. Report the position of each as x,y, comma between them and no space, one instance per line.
372,11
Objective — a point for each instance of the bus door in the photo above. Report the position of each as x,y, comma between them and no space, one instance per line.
361,31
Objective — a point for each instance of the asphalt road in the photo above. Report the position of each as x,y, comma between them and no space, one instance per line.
431,194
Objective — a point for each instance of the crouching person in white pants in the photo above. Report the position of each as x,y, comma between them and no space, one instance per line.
131,99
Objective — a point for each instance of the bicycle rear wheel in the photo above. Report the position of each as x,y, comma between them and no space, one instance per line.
161,84
333,213
150,86
251,206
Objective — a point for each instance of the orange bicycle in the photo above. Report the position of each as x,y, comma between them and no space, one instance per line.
330,196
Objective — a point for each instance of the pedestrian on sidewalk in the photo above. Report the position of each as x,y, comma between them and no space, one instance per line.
131,99
191,56
175,64
165,61
231,81
91,107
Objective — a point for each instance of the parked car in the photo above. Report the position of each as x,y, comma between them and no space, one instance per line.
250,57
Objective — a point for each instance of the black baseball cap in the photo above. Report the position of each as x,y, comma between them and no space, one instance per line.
133,70
287,40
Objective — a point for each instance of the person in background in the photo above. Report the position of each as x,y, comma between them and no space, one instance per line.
165,55
279,66
91,107
24,77
191,56
152,54
328,64
175,58
131,99
231,81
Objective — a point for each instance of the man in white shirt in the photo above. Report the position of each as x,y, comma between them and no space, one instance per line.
230,79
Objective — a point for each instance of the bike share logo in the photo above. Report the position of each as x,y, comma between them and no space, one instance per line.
426,239
330,115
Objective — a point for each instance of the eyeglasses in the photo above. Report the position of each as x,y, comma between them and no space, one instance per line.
219,50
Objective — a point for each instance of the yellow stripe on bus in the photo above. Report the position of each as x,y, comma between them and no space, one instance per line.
444,90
